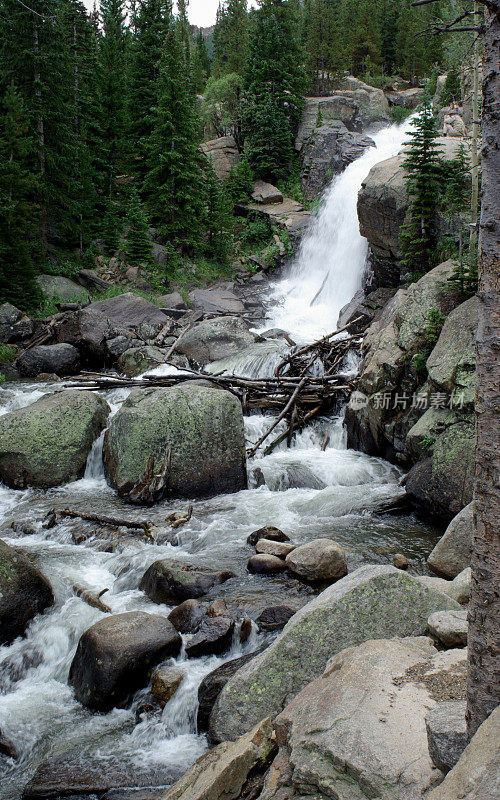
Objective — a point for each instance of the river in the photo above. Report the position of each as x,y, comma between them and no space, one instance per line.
38,712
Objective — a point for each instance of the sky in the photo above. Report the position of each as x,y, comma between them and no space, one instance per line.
201,12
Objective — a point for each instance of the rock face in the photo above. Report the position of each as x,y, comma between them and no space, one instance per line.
215,339
452,553
222,773
318,560
47,443
62,289
266,193
446,733
216,301
365,605
114,657
137,360
14,324
327,152
363,309
24,593
477,774
172,581
224,155
60,359
201,430
359,730
382,207
407,98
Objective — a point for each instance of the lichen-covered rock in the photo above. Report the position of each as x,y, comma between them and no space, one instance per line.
58,359
63,289
452,554
47,443
452,363
358,731
114,657
476,776
199,429
137,360
366,604
24,593
215,339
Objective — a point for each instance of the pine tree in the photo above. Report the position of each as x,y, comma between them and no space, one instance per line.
273,82
173,184
138,243
417,54
424,183
111,228
151,24
200,64
112,60
321,41
17,210
183,27
218,224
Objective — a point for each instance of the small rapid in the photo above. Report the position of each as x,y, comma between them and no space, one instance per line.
314,488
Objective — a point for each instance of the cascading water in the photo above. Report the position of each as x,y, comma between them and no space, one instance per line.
314,488
329,268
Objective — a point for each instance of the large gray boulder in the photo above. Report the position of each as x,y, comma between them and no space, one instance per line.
358,731
137,360
115,656
24,592
320,560
446,733
216,301
476,776
452,553
14,324
60,359
215,339
169,581
449,627
364,605
224,155
199,430
47,443
63,289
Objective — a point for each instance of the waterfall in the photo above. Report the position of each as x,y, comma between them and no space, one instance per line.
329,268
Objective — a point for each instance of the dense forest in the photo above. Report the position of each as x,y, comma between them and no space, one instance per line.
103,115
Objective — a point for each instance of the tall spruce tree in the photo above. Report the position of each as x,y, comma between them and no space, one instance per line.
173,184
17,210
321,36
424,182
137,243
200,64
274,81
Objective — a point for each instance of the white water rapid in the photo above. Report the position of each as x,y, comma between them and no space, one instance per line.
316,488
331,261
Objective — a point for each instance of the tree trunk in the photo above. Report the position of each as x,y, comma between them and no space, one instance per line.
475,137
483,690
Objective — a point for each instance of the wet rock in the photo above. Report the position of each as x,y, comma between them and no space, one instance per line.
213,638
170,581
137,360
187,617
24,593
266,565
278,549
14,324
446,734
269,532
460,588
213,683
476,776
328,151
245,630
364,605
274,618
216,301
319,560
400,561
62,289
47,443
218,608
449,627
114,657
215,339
60,359
200,428
7,749
452,553
221,773
364,721
166,681
294,476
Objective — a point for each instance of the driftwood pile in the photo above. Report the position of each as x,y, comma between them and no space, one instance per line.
307,383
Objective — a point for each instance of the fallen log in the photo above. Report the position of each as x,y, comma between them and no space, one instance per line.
91,598
101,519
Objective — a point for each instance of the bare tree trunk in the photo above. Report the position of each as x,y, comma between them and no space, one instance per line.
475,136
483,690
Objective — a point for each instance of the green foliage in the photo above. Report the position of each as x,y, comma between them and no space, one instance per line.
434,325
112,94
137,243
432,83
8,353
452,91
465,275
256,232
111,229
428,442
240,182
221,106
400,113
201,64
424,182
231,38
218,224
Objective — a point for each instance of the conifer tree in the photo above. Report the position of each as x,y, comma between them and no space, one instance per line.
183,27
274,81
173,184
200,64
218,222
424,182
17,210
111,228
138,243
324,56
